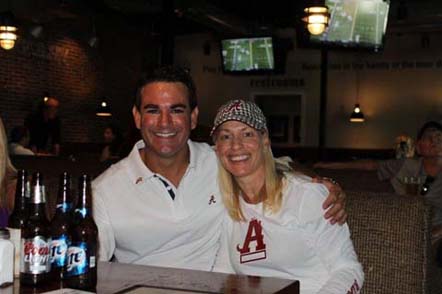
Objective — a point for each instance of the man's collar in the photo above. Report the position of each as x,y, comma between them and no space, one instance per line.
139,169
193,154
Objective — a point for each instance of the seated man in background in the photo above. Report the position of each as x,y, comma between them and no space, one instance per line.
45,128
424,172
19,141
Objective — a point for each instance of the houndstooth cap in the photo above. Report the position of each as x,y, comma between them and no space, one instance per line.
240,110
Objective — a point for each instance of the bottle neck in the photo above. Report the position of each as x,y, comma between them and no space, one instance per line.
38,194
21,193
37,204
64,203
84,207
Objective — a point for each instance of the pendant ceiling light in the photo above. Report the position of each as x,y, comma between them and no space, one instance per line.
103,109
316,18
8,30
357,115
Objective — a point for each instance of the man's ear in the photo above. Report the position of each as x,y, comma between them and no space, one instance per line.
137,117
194,118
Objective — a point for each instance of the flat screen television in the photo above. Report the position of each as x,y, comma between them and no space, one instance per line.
248,55
355,24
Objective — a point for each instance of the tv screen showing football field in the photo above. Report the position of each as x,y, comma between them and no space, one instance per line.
247,54
355,23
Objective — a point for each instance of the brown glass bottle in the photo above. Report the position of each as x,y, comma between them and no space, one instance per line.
19,215
35,240
81,270
59,228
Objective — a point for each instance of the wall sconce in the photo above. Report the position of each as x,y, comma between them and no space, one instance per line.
357,115
8,29
103,109
316,17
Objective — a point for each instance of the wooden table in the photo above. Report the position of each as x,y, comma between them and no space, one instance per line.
121,278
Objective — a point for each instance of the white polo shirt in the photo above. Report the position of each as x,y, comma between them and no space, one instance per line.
139,222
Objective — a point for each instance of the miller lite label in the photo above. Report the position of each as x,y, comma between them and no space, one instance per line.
35,255
59,249
79,259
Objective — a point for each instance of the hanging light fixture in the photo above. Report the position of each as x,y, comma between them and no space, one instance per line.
357,115
103,109
46,97
316,17
8,29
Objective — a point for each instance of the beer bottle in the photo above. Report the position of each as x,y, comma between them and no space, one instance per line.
19,215
81,270
59,227
35,240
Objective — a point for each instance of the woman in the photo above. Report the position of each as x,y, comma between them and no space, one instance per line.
276,226
7,179
112,140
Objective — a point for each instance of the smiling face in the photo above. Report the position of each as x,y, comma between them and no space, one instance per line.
165,119
241,148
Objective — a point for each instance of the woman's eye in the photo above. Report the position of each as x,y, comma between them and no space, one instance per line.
248,134
224,137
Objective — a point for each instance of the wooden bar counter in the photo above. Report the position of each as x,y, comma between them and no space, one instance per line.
138,279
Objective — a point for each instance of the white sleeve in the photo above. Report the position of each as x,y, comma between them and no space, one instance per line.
106,239
222,260
332,244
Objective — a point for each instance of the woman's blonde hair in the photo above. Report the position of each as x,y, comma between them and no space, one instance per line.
274,186
7,170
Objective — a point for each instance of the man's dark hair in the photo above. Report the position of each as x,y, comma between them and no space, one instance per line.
427,126
167,74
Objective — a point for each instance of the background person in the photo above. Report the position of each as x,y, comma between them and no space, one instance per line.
45,128
19,141
275,226
427,167
161,204
113,142
7,179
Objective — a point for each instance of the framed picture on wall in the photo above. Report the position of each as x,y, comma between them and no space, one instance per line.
278,128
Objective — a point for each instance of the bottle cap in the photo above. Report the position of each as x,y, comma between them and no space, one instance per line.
4,233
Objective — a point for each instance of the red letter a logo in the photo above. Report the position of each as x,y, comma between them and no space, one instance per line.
254,233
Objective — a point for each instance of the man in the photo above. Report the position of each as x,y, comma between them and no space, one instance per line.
45,128
427,166
161,205
19,141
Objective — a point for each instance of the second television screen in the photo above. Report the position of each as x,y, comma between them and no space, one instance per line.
247,54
